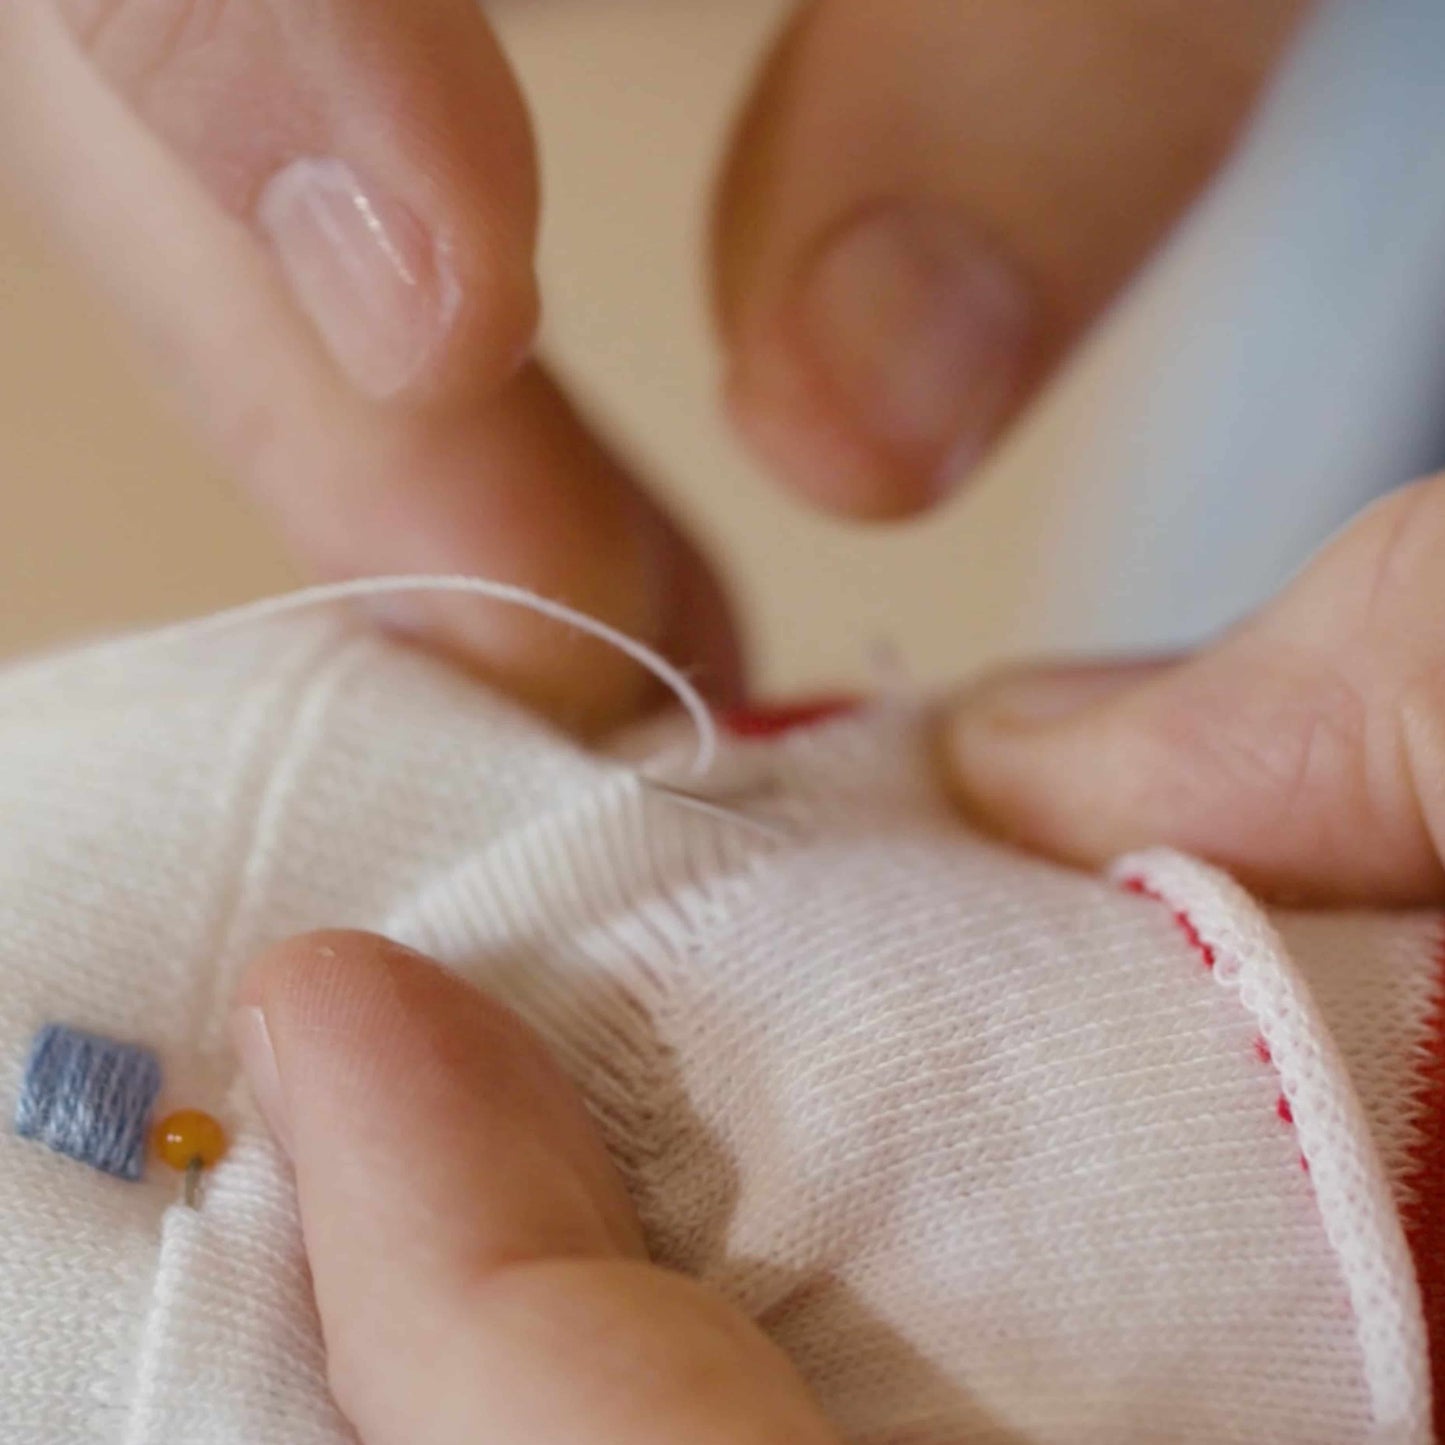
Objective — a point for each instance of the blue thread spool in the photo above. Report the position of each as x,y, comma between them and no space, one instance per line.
89,1098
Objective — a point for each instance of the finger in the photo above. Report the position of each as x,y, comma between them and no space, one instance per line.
519,489
380,152
478,1268
500,479
927,201
1306,752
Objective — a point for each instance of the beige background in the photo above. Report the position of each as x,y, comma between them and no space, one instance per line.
113,516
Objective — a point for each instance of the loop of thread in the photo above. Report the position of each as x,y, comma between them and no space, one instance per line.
89,1098
507,593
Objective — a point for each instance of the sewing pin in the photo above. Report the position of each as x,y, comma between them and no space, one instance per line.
191,1142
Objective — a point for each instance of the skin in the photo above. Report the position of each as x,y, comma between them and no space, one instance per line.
475,461
479,1271
1305,752
1056,141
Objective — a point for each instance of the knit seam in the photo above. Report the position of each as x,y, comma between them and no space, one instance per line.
1357,1209
256,786
1423,1211
1209,957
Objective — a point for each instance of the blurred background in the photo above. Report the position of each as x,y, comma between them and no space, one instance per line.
1284,359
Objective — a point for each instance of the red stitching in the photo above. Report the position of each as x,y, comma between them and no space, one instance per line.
1210,958
1424,1208
771,722
1186,923
1423,1212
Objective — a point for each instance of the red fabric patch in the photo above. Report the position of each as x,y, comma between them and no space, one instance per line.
1424,1212
772,722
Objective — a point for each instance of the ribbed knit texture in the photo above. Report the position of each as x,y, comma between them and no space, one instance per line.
997,1151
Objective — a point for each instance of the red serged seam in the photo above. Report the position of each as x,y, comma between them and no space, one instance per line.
1209,957
1186,923
1424,1207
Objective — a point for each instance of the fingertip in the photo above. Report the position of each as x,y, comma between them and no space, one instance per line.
428,292
305,1008
401,1086
293,978
382,156
490,338
810,444
880,375
926,206
1027,758
409,306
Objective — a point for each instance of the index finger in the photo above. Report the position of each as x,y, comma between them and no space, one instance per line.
381,151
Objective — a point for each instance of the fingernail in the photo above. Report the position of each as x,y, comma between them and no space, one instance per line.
1038,696
252,1041
920,332
363,268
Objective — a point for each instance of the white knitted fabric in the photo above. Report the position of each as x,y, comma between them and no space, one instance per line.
995,1150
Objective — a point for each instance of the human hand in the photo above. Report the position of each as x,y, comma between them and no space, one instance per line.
478,1267
321,219
1305,752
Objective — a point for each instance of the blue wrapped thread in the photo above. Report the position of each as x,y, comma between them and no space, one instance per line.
89,1098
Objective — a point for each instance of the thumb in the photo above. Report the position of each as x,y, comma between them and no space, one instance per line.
478,1268
1305,752
927,202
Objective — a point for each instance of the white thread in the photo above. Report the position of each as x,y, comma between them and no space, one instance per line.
505,592
716,808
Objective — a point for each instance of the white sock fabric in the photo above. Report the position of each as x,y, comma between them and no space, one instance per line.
997,1151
